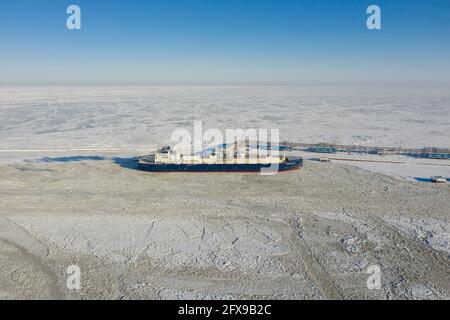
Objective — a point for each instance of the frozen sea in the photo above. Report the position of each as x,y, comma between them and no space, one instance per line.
141,118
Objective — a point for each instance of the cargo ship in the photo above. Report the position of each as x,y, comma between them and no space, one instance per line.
224,158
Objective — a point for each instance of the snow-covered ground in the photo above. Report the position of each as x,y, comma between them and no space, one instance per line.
143,117
308,234
405,167
69,195
412,170
56,122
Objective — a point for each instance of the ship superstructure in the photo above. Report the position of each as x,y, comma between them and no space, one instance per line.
223,158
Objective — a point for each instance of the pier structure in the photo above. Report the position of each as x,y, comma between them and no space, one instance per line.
425,152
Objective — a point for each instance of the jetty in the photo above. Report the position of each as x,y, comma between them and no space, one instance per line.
425,152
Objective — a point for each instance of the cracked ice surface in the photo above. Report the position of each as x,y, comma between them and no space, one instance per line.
175,241
33,118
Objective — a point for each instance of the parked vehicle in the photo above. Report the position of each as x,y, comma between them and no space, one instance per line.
438,179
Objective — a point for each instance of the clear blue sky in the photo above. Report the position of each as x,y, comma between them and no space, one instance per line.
140,42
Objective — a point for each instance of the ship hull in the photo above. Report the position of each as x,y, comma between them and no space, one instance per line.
292,164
